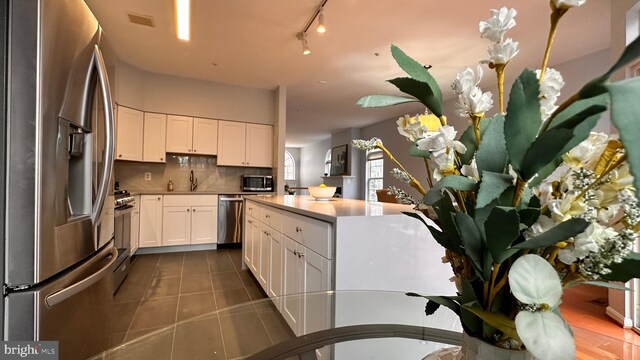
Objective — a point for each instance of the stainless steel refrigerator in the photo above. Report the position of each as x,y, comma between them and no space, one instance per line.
58,153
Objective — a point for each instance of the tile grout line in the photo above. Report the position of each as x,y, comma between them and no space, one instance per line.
175,319
140,303
224,344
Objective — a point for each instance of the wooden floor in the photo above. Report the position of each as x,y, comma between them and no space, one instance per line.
597,336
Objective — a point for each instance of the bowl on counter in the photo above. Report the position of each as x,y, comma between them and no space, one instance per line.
322,193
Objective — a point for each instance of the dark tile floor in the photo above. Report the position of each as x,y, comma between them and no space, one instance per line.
163,290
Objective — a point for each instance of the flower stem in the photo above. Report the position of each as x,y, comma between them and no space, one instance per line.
429,178
475,120
556,14
562,107
500,75
414,183
520,185
494,275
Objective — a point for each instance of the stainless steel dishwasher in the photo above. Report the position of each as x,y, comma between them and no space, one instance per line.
229,220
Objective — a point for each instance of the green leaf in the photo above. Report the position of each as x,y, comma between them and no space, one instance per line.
451,302
607,285
529,216
580,110
415,151
502,229
445,210
492,153
563,231
420,73
628,269
497,320
625,107
481,215
492,186
440,237
544,173
523,117
594,87
453,182
471,322
546,148
421,91
372,101
469,140
471,240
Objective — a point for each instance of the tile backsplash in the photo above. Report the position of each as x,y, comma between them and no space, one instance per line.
210,177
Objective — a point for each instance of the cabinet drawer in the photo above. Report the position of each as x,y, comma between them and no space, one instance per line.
253,209
271,217
191,200
312,233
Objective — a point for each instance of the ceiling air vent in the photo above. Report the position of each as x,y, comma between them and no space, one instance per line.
141,20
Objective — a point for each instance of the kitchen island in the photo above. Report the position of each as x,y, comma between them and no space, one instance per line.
296,244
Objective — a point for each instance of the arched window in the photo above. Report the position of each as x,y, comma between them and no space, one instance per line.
327,162
375,173
289,166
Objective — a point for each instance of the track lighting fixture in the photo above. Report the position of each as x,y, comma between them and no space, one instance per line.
321,28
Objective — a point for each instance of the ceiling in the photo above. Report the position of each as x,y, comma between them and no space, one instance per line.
253,44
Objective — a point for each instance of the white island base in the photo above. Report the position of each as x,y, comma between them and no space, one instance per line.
295,244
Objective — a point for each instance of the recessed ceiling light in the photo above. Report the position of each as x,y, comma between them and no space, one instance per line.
214,64
183,18
322,82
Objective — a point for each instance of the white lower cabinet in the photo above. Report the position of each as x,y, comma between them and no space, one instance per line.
276,253
150,221
263,268
189,219
135,225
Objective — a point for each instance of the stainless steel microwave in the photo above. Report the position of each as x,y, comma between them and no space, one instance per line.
257,183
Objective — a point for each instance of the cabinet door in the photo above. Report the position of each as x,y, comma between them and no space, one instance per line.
316,308
179,134
129,134
231,143
259,144
205,136
247,244
176,225
135,226
256,235
292,282
265,239
275,267
204,221
150,221
155,137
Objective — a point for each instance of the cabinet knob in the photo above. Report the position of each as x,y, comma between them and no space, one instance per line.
194,210
119,155
194,150
188,210
295,252
189,150
300,254
161,159
159,198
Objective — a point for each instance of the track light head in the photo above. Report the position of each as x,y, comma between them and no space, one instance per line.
321,26
302,36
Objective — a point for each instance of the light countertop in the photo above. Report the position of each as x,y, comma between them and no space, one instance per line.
332,209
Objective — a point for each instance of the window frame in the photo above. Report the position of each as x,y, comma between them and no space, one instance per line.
371,156
287,155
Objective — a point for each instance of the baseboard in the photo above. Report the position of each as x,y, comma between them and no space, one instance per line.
175,248
626,322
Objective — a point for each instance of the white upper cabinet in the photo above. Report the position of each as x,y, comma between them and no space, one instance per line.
179,134
155,130
129,134
241,144
259,146
231,143
192,135
205,136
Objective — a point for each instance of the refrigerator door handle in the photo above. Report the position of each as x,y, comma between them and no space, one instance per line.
64,294
103,80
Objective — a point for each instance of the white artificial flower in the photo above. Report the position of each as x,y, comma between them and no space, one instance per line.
466,80
567,207
550,88
543,224
568,3
534,282
586,151
500,21
503,51
585,243
475,102
411,128
442,146
471,170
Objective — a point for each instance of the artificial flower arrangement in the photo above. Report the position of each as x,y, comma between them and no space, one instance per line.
528,201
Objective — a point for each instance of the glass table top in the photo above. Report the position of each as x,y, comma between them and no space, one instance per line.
340,325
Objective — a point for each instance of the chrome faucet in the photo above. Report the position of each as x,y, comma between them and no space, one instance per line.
193,180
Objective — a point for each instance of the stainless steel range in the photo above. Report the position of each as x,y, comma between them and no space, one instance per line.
122,230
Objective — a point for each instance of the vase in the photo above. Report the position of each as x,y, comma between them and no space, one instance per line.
475,349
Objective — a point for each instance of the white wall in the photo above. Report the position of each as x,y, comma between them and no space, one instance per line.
168,94
312,162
